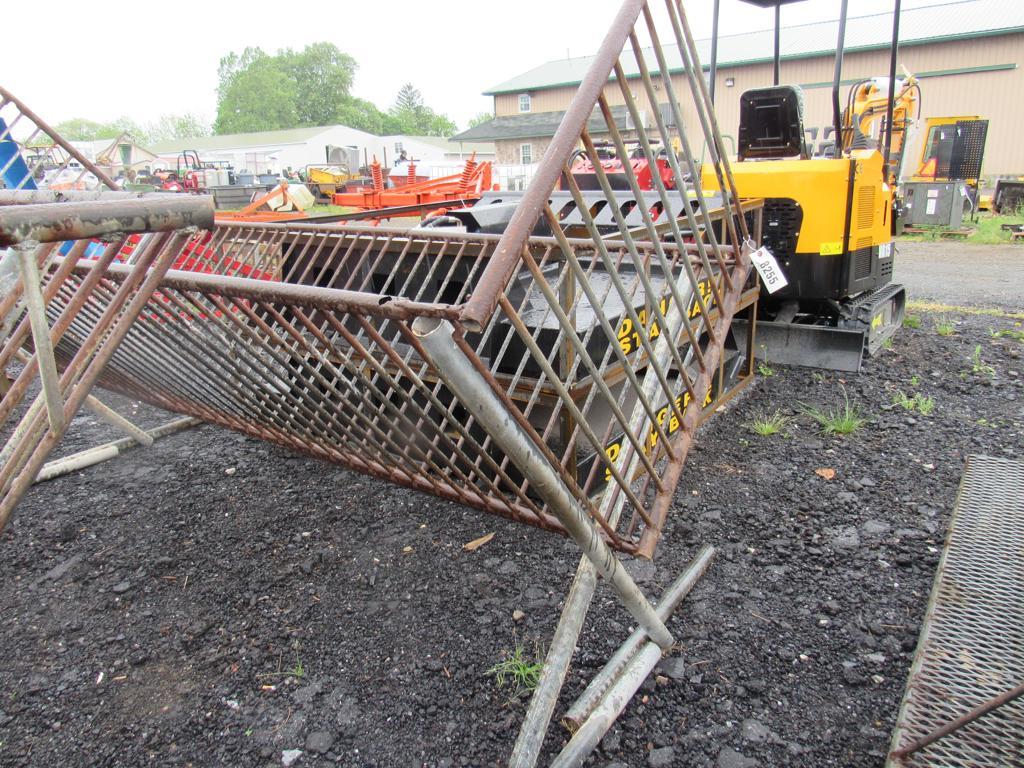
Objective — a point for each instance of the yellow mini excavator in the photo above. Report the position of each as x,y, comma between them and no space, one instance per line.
828,212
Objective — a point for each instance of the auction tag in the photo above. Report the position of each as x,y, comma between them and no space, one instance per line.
768,268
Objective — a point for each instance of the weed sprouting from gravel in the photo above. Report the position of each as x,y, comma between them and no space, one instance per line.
978,366
765,370
944,327
912,321
917,402
298,670
518,670
768,424
843,419
915,380
1007,333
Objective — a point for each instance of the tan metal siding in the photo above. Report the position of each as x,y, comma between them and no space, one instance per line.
991,95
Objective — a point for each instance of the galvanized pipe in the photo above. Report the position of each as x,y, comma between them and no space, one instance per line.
603,680
100,453
614,701
105,412
33,293
556,664
49,223
49,196
474,393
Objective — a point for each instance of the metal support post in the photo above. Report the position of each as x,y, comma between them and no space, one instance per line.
30,279
473,392
556,664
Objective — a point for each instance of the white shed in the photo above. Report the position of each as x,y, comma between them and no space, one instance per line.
274,151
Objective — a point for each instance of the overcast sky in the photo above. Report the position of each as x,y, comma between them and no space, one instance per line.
101,59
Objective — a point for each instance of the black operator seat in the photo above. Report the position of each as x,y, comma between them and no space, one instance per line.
772,124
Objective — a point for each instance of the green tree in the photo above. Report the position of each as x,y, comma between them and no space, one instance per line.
259,97
323,78
364,116
82,129
482,117
409,115
169,127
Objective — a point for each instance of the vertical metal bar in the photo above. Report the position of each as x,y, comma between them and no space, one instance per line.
775,70
30,279
893,53
478,398
837,74
556,664
714,50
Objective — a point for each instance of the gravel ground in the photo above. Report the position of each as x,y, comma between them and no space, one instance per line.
962,274
215,601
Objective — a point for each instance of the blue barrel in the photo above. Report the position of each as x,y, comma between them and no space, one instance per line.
15,175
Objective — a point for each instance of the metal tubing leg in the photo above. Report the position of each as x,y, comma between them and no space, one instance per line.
556,664
41,335
616,684
610,707
680,588
100,453
114,419
105,412
476,395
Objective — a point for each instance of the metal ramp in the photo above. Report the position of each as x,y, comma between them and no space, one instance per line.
961,706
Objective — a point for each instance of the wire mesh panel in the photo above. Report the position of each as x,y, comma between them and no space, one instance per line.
972,644
606,338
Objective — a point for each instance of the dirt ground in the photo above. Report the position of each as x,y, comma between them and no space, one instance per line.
215,601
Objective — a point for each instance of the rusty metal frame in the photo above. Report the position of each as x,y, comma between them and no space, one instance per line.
554,380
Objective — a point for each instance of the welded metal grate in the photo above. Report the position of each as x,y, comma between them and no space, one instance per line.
972,644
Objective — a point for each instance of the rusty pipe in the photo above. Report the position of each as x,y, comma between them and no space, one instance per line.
49,223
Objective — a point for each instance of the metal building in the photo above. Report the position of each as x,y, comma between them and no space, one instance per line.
966,53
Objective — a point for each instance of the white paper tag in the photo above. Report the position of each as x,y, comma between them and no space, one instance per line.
885,250
768,268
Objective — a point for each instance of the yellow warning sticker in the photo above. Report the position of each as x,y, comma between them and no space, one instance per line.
833,248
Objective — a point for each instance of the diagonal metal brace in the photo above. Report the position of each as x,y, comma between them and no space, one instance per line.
476,395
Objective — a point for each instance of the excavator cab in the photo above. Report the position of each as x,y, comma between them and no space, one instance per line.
772,124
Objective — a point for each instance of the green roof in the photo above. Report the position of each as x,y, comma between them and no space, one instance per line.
951,20
232,140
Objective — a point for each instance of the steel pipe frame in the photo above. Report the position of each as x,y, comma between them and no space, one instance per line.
48,196
26,458
57,222
6,97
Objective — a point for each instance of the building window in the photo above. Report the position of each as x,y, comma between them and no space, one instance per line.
730,82
398,147
526,154
524,102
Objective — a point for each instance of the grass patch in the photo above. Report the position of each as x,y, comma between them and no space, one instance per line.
945,327
912,321
916,402
934,306
978,366
517,670
1007,333
768,424
765,370
298,671
988,230
842,419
